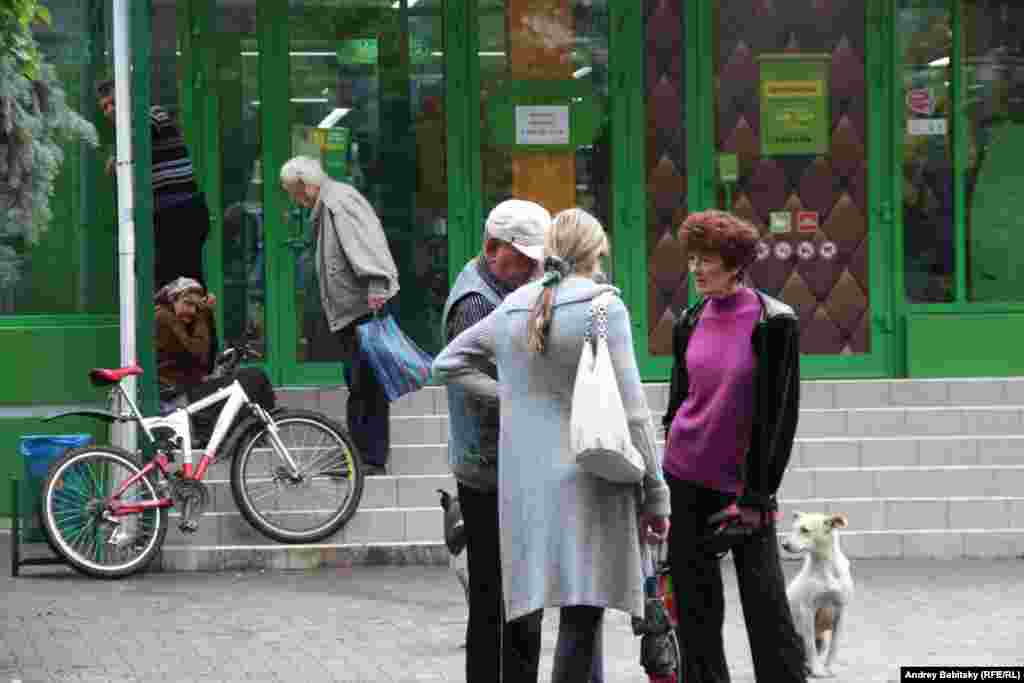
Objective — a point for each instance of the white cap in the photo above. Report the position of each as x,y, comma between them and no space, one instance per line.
522,224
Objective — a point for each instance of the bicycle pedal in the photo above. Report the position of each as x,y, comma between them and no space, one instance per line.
188,526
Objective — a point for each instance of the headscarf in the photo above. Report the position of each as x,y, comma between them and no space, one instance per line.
174,289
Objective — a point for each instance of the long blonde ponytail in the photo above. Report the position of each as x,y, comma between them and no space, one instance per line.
573,245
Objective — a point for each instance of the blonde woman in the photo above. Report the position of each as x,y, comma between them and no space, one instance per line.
568,539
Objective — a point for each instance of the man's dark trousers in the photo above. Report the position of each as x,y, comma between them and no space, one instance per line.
519,659
368,411
179,234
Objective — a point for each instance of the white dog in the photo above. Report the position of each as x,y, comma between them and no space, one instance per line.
819,594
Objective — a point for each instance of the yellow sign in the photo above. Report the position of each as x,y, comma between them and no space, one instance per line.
775,89
794,104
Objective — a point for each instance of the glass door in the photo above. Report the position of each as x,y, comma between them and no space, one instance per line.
537,61
364,90
779,123
220,44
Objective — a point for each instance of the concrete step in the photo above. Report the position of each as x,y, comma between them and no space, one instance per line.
815,394
297,557
975,391
908,450
1004,543
925,513
944,481
933,543
828,451
960,421
372,525
406,491
964,421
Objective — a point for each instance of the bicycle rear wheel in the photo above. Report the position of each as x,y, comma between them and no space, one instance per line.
76,496
315,504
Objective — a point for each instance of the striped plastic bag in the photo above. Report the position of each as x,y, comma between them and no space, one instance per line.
399,364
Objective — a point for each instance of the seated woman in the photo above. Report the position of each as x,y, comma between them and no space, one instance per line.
185,350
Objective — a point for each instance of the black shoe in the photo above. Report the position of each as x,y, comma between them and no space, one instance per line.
371,470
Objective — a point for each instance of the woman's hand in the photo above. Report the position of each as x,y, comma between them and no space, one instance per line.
654,528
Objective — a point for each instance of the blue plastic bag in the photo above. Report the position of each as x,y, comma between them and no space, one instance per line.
399,364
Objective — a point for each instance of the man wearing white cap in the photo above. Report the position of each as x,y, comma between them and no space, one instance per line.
513,251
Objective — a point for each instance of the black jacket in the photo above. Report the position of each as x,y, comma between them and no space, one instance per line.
776,342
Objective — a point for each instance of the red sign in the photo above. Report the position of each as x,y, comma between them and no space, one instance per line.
807,221
920,101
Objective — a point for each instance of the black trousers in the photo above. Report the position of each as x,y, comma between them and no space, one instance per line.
495,650
179,234
368,411
578,651
697,580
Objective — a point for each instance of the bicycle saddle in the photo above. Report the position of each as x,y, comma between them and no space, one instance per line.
103,377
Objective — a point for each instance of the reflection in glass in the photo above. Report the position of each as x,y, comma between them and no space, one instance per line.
519,48
367,95
81,236
926,44
993,100
245,289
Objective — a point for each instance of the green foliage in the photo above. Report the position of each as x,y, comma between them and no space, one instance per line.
35,121
16,20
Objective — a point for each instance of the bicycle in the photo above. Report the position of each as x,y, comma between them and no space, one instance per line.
106,513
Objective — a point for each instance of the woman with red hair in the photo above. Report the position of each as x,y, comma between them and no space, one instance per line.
731,419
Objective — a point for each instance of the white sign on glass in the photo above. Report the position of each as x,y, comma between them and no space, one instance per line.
542,125
926,126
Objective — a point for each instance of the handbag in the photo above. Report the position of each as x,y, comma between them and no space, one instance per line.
399,364
599,432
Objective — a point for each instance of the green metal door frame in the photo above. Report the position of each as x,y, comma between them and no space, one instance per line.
275,121
465,185
627,112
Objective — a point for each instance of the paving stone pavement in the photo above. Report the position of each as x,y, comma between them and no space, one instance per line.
406,625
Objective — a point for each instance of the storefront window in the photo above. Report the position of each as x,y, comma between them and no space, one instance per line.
241,174
545,132
926,42
992,71
367,96
71,267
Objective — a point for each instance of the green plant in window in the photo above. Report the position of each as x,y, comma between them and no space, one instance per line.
35,120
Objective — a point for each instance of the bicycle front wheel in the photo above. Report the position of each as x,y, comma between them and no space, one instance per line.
311,505
76,499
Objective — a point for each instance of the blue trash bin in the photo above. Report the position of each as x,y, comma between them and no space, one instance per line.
39,451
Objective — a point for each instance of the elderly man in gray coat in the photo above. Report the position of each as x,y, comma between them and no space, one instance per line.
357,277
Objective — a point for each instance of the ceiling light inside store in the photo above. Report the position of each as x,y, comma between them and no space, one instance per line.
333,117
412,3
941,61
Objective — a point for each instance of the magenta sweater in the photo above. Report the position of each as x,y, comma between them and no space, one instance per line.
711,430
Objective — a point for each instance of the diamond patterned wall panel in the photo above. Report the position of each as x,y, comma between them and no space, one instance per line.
666,168
821,272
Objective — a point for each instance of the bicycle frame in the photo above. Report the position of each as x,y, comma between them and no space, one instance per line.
179,423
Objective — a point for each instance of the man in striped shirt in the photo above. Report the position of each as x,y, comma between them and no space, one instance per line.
181,220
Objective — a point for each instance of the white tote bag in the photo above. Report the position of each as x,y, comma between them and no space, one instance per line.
600,441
